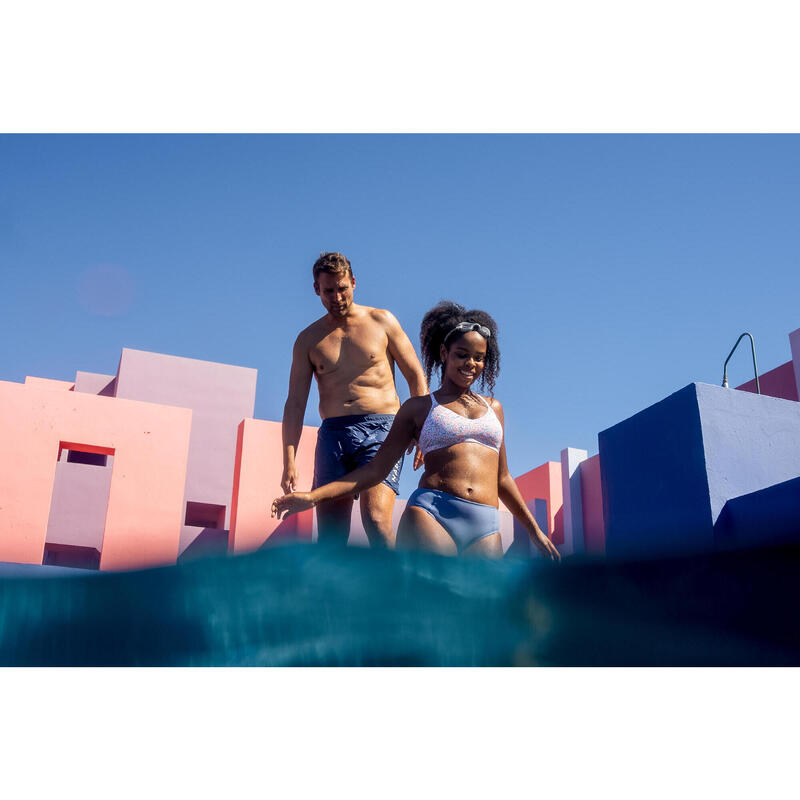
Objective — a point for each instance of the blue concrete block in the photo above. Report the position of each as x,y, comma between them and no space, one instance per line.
668,471
768,517
652,468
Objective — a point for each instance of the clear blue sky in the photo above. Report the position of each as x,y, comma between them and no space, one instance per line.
619,268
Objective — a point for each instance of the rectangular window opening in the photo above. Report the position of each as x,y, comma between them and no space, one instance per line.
205,515
77,453
93,459
64,555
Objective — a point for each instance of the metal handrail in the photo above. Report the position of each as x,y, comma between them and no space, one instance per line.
755,368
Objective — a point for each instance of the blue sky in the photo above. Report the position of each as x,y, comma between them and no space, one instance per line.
619,268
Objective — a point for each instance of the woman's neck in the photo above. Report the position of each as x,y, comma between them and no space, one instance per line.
449,388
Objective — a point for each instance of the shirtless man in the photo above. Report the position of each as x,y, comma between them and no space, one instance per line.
352,352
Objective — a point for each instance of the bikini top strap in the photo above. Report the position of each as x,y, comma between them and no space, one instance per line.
485,403
433,402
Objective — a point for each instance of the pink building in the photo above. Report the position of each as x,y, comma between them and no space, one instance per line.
143,503
165,449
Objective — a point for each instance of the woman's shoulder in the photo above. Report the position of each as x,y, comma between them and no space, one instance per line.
414,411
493,403
415,405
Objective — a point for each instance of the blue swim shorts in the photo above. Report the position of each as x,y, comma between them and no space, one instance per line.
346,443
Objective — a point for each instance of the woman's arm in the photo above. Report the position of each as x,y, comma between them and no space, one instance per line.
401,433
508,492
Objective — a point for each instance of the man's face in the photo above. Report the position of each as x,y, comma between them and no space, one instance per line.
336,292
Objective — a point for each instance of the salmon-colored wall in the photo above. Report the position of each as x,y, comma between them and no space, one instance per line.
257,482
49,383
544,483
150,445
594,530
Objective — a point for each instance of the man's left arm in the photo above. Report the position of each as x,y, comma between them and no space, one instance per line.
402,351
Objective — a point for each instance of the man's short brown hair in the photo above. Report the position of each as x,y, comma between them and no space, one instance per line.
332,263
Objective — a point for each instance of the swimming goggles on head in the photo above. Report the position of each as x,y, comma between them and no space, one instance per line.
465,327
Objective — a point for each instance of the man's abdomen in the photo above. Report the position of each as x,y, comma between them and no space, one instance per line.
366,394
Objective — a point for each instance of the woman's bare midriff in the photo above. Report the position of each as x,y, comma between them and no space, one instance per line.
467,470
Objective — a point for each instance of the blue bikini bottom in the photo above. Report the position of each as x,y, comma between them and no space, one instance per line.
465,521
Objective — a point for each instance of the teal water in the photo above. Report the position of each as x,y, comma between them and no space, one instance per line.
301,605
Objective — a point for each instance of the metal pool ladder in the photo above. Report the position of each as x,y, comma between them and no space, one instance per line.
755,368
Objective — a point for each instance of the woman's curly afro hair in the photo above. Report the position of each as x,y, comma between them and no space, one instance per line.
439,321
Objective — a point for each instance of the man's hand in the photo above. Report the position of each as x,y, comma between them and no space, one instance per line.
291,504
545,546
289,479
419,459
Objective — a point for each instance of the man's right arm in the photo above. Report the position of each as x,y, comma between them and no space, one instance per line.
294,411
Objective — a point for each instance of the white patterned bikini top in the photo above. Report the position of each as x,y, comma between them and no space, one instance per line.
443,428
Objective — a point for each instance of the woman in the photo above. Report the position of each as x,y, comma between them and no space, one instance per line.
454,510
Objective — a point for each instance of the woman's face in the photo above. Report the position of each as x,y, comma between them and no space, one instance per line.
464,359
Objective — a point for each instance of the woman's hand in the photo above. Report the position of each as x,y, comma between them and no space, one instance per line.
544,545
292,503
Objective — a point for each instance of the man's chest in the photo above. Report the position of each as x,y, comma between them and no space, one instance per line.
351,350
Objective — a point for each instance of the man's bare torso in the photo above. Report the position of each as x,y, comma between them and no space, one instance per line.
352,363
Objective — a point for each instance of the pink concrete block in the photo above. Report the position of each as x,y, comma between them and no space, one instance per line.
778,382
78,506
506,527
49,383
397,512
594,530
544,483
220,396
257,482
150,444
95,383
